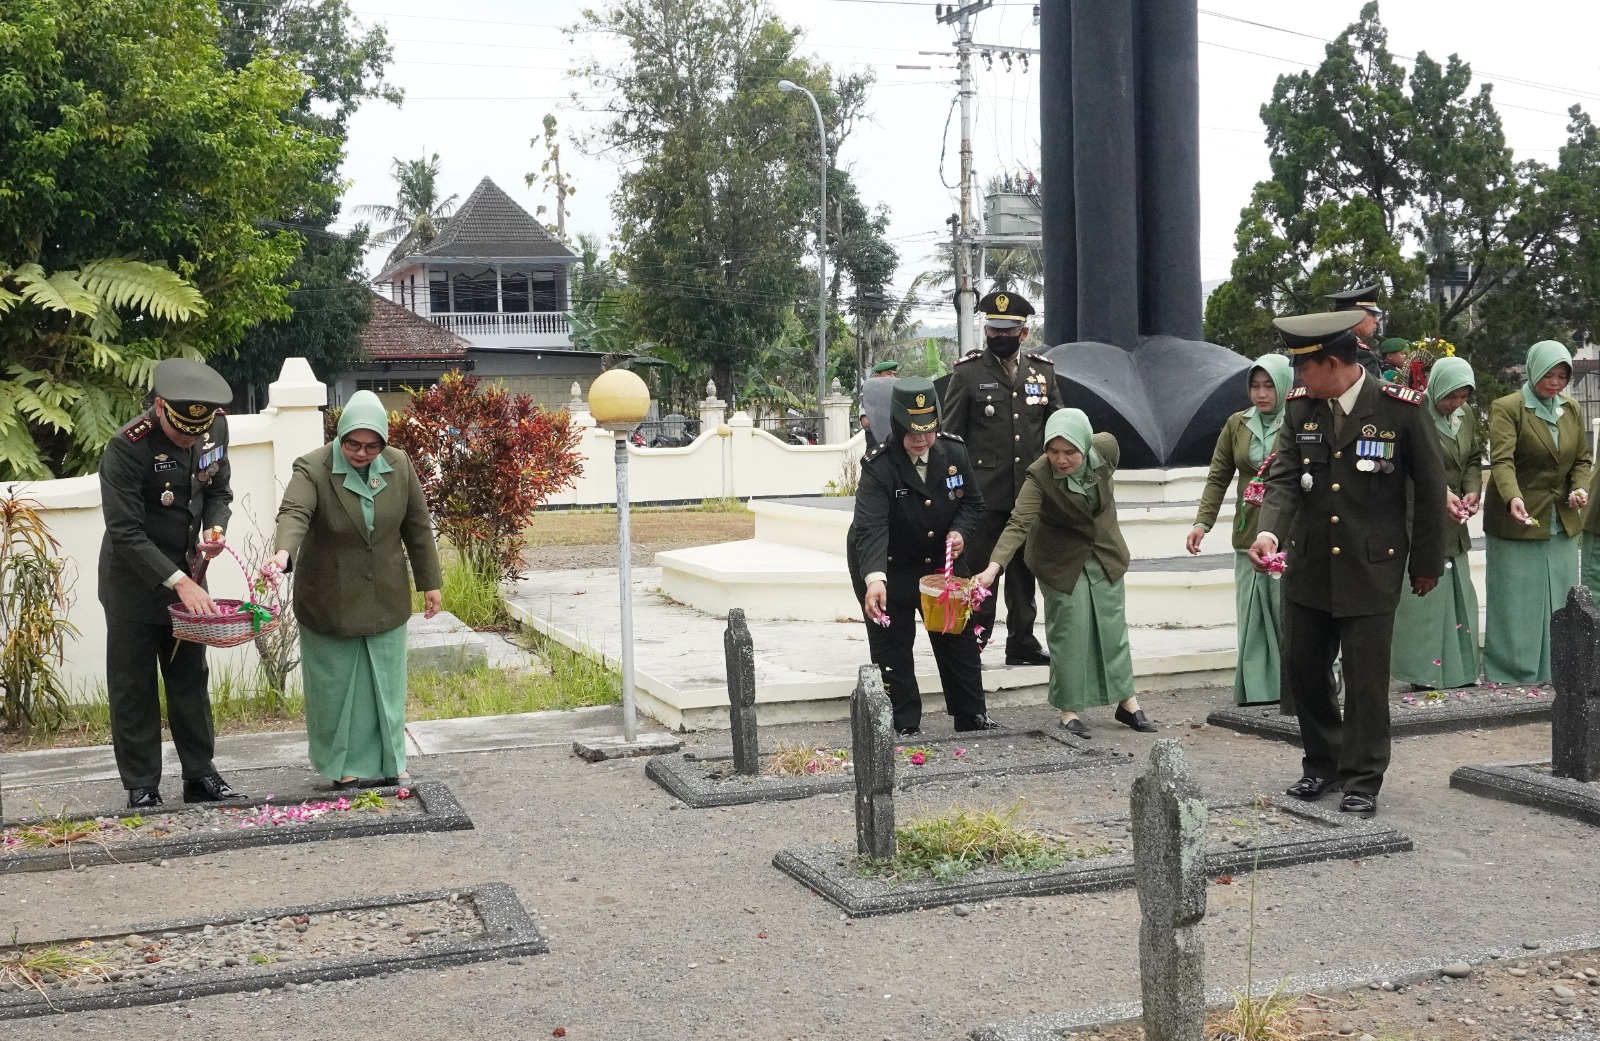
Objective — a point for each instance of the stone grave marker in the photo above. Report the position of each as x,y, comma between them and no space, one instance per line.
872,756
1169,869
1575,668
739,652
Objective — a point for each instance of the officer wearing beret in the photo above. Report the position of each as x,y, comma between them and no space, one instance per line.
886,368
997,401
1349,450
164,491
1363,299
917,492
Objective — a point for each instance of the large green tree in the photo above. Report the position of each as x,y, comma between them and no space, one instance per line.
1408,181
717,202
344,64
125,134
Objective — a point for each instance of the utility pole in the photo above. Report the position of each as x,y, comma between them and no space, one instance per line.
966,292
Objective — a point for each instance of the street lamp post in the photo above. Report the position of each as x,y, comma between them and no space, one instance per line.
789,87
619,401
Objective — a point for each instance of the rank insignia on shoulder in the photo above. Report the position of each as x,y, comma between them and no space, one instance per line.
971,356
1298,392
1040,358
952,437
876,451
1406,394
138,428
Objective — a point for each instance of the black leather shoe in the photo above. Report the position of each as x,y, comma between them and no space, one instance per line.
1359,803
1134,719
908,731
1312,788
979,722
1027,658
144,798
210,788
1076,728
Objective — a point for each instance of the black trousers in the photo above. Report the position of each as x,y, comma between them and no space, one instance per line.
1016,585
134,651
1355,748
955,654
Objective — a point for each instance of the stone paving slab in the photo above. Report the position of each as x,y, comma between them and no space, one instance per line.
1057,1025
439,812
686,778
829,870
98,763
1404,720
1531,784
508,933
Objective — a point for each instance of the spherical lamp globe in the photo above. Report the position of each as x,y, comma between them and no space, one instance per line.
618,400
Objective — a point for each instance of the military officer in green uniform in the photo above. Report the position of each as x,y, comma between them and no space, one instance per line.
164,490
997,401
918,491
1349,449
1363,299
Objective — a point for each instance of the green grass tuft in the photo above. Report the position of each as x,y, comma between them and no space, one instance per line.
948,845
568,680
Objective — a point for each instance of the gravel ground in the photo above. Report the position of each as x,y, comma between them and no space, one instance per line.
135,960
1524,1000
669,923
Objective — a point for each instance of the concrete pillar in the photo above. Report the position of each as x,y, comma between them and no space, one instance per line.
712,412
294,403
835,416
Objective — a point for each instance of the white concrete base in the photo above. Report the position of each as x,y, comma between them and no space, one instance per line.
805,670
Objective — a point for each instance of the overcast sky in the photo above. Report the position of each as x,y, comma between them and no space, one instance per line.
480,75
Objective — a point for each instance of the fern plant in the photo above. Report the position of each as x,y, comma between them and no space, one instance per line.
78,348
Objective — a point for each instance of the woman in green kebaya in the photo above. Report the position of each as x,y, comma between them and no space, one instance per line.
1244,446
1436,636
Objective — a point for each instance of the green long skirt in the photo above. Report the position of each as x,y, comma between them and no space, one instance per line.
1436,636
355,702
1087,631
1591,564
1258,606
1527,581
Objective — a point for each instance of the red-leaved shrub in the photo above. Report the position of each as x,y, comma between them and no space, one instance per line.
487,460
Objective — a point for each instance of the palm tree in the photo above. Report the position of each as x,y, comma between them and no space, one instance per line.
418,212
1019,269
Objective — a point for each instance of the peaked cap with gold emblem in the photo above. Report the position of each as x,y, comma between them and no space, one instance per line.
914,407
1363,297
1306,336
1004,309
191,392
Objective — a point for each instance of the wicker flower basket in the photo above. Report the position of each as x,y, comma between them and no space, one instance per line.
237,621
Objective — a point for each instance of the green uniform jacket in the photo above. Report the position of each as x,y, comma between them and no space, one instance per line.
1463,474
1524,462
901,521
1060,528
1232,456
157,498
1346,534
1001,418
349,582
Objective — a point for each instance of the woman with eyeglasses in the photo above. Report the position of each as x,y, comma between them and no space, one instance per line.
351,519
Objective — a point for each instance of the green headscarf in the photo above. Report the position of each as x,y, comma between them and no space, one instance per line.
1542,357
363,412
1447,376
1264,425
1073,426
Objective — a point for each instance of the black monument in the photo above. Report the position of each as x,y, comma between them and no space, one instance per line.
1120,126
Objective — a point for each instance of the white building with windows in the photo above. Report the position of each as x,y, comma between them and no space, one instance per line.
494,276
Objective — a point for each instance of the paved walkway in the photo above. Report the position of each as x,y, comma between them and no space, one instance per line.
288,748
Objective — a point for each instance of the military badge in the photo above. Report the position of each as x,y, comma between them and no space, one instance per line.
167,497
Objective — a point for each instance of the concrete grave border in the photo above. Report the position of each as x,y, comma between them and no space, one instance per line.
818,867
441,812
1052,1026
682,776
1521,782
1265,721
508,933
